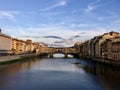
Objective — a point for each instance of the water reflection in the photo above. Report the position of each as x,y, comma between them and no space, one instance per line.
59,74
109,76
56,64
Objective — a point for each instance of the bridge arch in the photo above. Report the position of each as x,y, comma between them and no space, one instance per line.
64,50
58,55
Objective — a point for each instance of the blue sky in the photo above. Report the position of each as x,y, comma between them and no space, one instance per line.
59,22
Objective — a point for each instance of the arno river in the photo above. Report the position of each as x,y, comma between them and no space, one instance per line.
59,74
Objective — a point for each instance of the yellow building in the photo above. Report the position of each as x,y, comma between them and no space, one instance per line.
39,47
18,46
36,47
29,46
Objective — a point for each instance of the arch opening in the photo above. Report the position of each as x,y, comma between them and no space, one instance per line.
69,55
56,55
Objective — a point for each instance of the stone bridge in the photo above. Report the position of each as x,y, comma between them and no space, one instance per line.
63,50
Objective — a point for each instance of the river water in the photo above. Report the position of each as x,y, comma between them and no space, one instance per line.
59,74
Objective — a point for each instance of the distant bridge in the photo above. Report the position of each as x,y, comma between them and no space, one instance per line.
63,50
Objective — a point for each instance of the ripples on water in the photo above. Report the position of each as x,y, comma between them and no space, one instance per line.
59,74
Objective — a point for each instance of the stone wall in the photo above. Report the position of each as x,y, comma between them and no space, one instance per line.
14,57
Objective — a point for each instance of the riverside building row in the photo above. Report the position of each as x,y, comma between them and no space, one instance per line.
9,45
104,47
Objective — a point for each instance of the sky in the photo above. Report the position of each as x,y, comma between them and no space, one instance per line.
59,23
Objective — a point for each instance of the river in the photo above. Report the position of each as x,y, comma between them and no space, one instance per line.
59,73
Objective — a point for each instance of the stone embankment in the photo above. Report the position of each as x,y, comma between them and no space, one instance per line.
4,59
105,61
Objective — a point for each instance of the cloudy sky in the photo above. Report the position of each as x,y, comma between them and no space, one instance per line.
59,22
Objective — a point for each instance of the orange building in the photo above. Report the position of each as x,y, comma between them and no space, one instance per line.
18,46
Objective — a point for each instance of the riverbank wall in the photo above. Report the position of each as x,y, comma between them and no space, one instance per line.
103,61
15,58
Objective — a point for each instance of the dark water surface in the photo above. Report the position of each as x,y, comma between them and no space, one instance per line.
59,74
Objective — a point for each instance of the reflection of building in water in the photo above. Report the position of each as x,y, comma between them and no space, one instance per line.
109,76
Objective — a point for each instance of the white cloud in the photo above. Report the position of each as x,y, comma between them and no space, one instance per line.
84,25
92,6
8,15
37,33
59,4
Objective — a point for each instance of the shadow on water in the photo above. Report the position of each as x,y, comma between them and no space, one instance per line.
109,75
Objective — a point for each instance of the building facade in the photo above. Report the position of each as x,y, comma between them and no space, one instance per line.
18,46
111,49
106,46
5,43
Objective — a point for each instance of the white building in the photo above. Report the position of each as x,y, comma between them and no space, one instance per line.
5,43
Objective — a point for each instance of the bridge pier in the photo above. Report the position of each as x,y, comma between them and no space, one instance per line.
66,55
51,55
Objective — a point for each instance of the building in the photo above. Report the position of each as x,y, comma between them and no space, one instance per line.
81,51
115,48
29,46
100,40
37,47
106,49
18,46
86,49
5,43
111,49
101,47
78,48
